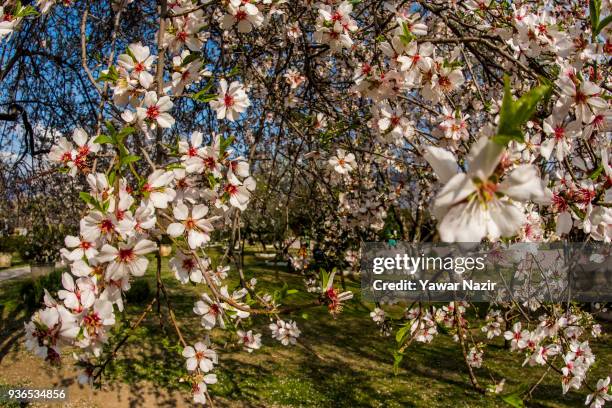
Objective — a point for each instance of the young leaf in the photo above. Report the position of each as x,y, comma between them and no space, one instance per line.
401,334
129,159
514,400
87,198
102,139
602,24
594,10
514,113
397,359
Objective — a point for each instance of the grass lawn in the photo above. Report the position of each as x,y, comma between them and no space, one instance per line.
344,363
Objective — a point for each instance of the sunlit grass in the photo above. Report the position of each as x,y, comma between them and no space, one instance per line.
353,365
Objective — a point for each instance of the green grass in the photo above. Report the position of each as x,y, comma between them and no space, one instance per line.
352,367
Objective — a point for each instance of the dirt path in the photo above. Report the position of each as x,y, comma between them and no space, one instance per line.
20,368
15,272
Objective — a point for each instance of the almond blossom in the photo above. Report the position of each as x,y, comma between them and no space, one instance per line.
200,356
195,225
127,259
474,205
231,102
246,14
138,61
285,332
342,162
154,111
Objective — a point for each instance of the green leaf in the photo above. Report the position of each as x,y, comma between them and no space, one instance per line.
397,359
514,400
102,139
225,143
126,131
111,129
174,166
594,10
87,198
130,53
111,76
292,291
402,333
515,113
235,71
603,24
595,174
305,316
204,97
111,178
23,12
407,36
129,159
190,58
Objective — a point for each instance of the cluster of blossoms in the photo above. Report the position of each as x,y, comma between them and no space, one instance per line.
74,158
125,219
555,336
397,92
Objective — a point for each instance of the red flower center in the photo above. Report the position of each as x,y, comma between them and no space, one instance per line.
188,264
126,255
106,226
559,203
209,162
214,309
66,157
445,83
240,15
190,223
231,189
228,100
584,195
181,36
92,320
139,67
152,112
580,97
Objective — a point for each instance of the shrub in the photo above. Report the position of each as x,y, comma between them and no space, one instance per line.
139,293
12,243
33,291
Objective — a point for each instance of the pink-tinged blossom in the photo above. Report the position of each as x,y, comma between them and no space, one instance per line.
474,205
200,356
138,61
157,188
342,162
601,395
231,102
126,259
285,332
194,225
584,97
154,111
249,340
186,268
211,312
518,337
244,14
